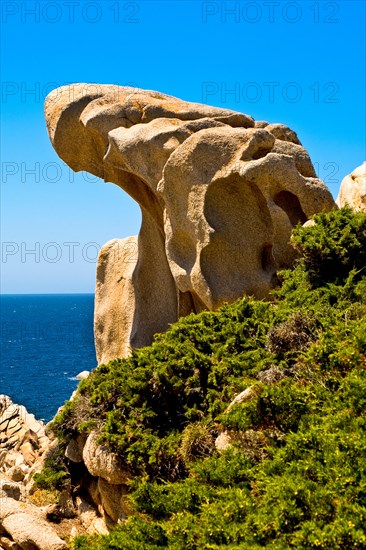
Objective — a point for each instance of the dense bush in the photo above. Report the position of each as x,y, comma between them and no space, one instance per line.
295,474
54,475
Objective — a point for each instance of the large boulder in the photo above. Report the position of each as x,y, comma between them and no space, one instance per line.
24,524
219,195
115,298
101,462
353,190
113,500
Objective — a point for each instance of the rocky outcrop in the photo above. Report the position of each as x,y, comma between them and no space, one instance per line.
101,462
219,195
353,190
23,441
102,496
115,298
25,528
27,518
23,446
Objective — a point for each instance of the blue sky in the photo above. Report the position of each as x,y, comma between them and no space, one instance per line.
300,63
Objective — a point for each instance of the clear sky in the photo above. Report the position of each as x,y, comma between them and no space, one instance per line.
301,63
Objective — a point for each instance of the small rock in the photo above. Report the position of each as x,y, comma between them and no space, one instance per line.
9,489
112,497
28,453
272,375
7,544
17,473
89,517
63,509
73,533
223,442
244,396
83,375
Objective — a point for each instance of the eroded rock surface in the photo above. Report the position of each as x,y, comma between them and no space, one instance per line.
23,446
353,190
219,195
23,440
25,527
101,462
93,503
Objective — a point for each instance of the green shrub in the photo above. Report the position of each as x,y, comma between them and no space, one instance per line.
334,247
54,475
295,474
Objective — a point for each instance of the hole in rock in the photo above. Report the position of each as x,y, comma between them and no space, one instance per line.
261,153
291,205
268,263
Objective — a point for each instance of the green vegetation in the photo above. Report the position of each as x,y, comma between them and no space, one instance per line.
54,475
295,473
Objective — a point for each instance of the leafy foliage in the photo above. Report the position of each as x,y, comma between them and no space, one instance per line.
295,473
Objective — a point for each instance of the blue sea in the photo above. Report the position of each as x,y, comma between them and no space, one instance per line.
46,340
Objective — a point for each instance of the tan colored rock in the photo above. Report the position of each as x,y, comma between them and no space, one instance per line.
91,486
74,450
89,518
17,473
8,544
283,133
9,459
244,396
63,508
23,439
73,533
353,190
29,452
101,462
309,223
115,298
113,499
25,526
223,442
83,375
9,489
219,195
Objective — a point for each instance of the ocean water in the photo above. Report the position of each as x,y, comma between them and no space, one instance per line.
46,340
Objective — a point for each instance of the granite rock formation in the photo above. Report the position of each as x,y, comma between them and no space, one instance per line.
23,441
23,447
23,528
353,190
219,195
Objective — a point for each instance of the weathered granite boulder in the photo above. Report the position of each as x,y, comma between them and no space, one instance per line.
101,462
9,489
219,195
74,450
115,297
83,375
90,519
113,499
353,190
23,440
24,525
